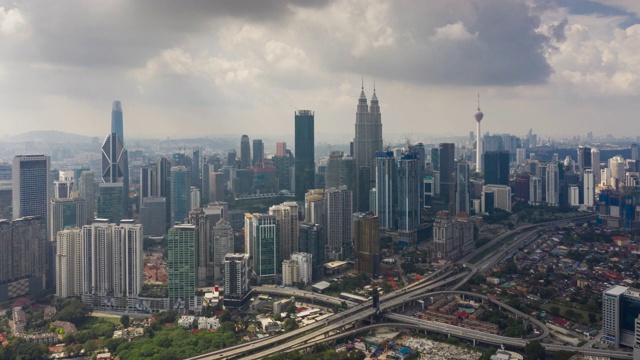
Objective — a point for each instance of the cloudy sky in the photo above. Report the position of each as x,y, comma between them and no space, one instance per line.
237,66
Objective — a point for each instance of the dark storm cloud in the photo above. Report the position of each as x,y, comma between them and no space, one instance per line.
503,47
127,33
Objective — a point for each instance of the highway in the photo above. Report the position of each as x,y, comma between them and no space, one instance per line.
317,331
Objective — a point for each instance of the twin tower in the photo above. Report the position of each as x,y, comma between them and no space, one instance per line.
367,142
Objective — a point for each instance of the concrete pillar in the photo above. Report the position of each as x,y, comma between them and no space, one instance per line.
448,335
474,342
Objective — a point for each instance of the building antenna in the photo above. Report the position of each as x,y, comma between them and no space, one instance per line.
362,82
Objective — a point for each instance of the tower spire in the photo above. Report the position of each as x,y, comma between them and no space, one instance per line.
362,87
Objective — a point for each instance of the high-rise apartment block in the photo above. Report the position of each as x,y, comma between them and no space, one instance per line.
620,309
236,280
339,223
312,241
453,237
305,266
69,264
366,243
222,245
112,258
286,215
386,190
23,256
409,184
182,262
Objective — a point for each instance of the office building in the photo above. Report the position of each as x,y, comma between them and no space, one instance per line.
30,180
304,152
584,159
148,179
110,197
194,197
408,185
368,132
69,275
66,213
501,198
153,216
195,169
366,243
180,193
312,241
496,167
620,309
87,189
262,244
245,153
281,148
447,174
339,223
386,190
282,164
463,184
236,280
115,166
222,245
216,186
595,165
117,126
341,170
182,263
258,153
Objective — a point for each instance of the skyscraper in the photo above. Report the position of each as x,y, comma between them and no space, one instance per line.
584,160
286,215
66,213
31,192
245,152
258,152
112,258
115,166
304,152
386,190
198,218
447,173
222,245
553,184
339,224
496,167
69,263
262,244
368,136
478,116
408,194
462,187
23,256
110,198
236,280
117,126
182,261
311,241
281,148
366,243
180,193
595,165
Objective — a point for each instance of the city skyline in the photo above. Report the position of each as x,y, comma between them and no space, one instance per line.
555,66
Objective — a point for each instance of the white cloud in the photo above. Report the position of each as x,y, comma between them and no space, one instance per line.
455,31
12,21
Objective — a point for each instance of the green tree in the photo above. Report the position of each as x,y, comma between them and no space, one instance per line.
290,324
125,320
534,351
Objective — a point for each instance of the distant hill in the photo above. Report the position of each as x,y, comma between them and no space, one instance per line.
50,136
